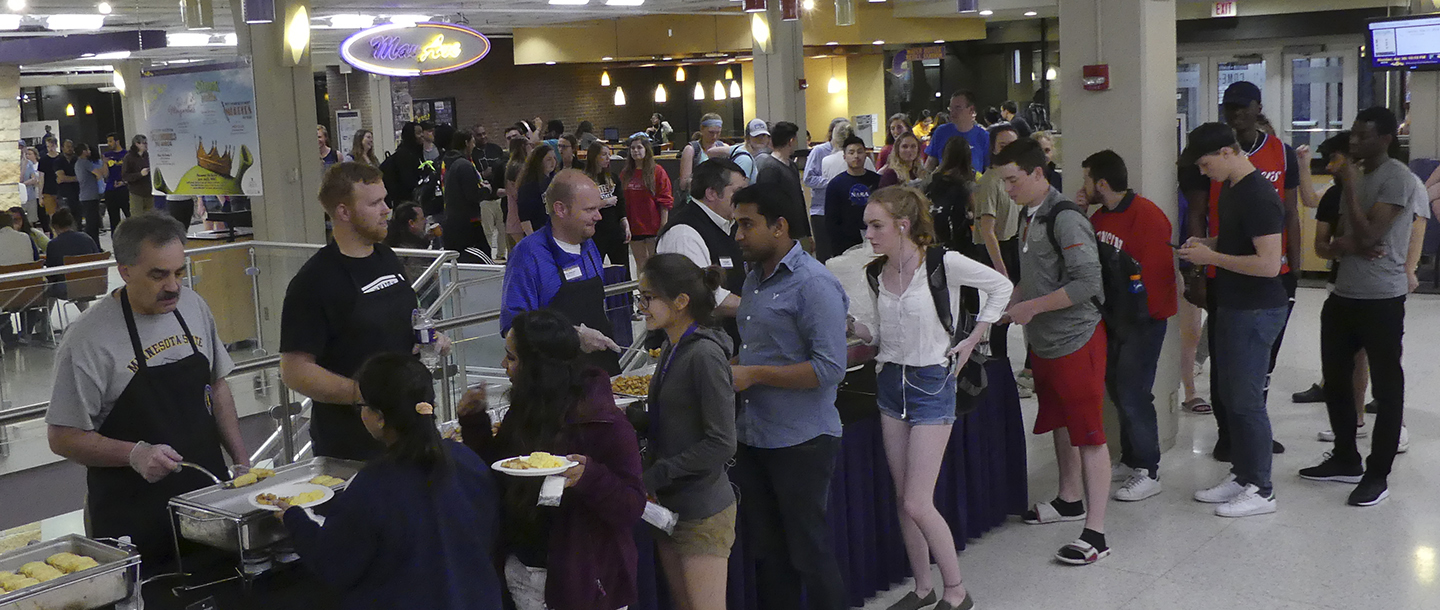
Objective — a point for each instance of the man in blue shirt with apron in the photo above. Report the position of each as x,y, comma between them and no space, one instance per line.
131,405
559,267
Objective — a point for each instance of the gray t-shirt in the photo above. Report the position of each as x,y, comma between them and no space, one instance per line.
96,361
89,184
1382,278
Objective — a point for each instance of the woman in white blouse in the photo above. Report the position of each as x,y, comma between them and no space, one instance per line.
916,378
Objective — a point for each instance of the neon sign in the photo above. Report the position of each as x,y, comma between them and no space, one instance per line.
414,50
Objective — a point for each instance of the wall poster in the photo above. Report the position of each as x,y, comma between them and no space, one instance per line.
204,136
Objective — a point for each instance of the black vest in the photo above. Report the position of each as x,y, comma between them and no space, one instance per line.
724,252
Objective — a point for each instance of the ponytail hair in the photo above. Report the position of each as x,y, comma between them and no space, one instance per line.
672,275
909,204
395,385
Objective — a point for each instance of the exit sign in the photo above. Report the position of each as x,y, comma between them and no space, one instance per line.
1229,8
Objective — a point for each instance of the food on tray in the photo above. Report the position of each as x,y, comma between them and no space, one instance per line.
40,571
71,563
535,461
327,480
269,499
635,385
9,581
655,353
254,476
305,497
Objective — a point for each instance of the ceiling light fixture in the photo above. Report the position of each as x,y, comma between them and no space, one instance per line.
986,13
9,22
735,89
831,43
1050,73
69,109
680,74
408,20
89,110
660,95
1031,13
729,75
835,85
606,58
75,22
939,42
549,63
808,5
113,55
15,6
104,8
878,42
351,21
719,91
619,96
604,78
186,39
699,92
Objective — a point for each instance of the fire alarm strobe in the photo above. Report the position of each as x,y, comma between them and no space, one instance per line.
1097,77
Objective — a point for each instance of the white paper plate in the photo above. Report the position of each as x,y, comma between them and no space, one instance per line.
532,472
290,490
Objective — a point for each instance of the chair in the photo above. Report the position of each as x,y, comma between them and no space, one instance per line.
83,286
19,296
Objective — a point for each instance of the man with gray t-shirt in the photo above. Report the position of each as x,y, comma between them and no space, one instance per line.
139,387
1366,310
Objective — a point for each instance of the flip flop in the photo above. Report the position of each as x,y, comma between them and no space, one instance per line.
1044,512
1080,553
1197,405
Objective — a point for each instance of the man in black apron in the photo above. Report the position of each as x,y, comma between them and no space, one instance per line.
349,302
558,267
131,405
704,233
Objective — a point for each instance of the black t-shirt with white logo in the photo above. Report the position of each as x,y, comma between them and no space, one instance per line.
320,317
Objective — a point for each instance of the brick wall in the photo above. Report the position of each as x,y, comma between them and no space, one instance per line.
358,95
9,134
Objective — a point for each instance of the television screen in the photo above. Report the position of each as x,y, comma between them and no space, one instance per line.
1407,43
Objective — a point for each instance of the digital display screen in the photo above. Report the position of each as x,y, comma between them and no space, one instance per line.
1405,44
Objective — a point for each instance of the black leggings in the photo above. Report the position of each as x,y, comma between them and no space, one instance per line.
117,202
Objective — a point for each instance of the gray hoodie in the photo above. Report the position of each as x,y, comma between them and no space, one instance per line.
1076,269
692,426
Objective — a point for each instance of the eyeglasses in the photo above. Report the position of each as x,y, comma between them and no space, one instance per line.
643,299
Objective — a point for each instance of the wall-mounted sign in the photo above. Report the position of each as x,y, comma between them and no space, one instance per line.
1229,8
414,50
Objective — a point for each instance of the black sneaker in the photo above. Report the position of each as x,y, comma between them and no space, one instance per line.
1314,394
1276,447
1369,493
1372,407
1332,469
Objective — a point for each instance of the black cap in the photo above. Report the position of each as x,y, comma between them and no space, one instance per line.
1241,93
1206,139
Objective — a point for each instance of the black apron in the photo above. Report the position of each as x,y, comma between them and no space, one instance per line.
583,302
163,405
336,430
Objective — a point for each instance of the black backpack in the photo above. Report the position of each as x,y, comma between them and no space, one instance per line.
1126,305
972,379
429,191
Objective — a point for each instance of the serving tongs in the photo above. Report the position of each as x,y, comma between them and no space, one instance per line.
222,484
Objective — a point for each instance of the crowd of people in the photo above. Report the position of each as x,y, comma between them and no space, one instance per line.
755,299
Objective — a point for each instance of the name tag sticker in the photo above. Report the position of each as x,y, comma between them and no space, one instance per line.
572,273
726,263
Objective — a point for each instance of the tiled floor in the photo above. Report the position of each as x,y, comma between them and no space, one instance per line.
1171,552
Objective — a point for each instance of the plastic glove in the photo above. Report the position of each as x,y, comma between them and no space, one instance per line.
154,462
592,340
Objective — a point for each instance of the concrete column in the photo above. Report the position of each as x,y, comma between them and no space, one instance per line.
1424,115
9,134
381,112
779,65
132,104
1135,118
285,107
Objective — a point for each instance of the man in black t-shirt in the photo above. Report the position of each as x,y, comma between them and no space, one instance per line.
349,302
1250,311
777,168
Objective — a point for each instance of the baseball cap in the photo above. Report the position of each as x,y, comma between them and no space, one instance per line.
1241,93
1205,140
757,127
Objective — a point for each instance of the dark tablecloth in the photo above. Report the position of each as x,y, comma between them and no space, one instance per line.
982,481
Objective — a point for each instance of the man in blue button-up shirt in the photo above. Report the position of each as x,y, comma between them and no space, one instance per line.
791,360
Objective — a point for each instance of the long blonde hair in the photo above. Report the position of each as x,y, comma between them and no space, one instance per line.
906,170
646,168
908,203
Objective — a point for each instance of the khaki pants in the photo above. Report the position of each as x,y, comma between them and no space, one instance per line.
492,218
140,204
51,204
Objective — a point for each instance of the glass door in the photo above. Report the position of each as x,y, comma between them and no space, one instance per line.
1319,100
1189,107
1230,71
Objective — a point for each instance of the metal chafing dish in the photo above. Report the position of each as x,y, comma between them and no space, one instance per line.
115,579
224,518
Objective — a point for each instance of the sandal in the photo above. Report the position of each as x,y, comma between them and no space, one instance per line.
1080,553
1197,405
1044,512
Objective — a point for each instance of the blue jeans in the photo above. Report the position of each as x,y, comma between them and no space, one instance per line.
1243,339
1131,381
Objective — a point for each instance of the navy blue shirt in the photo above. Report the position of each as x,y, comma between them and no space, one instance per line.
394,540
795,315
845,199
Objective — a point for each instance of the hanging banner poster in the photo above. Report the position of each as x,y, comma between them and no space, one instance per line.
204,136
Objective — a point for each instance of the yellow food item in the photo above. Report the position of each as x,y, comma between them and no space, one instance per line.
535,461
40,571
70,563
254,476
306,497
18,584
655,353
634,385
9,577
327,480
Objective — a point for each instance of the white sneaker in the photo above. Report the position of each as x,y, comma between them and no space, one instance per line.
1025,392
1327,435
1404,440
1222,492
1120,472
1248,504
1138,487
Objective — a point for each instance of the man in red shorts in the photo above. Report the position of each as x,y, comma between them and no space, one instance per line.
1058,302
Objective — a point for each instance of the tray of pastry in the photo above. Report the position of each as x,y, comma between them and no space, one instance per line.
223,517
68,572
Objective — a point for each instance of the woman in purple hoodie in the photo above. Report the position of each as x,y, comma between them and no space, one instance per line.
581,554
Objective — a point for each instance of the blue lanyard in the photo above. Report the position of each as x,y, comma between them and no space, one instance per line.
666,367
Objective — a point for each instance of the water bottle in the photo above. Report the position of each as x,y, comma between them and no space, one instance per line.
426,338
1136,287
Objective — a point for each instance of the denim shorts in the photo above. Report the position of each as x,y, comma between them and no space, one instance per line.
918,395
